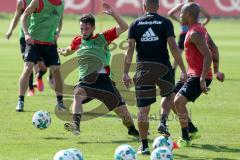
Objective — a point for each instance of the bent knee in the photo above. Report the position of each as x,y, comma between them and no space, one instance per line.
28,68
79,92
54,69
179,100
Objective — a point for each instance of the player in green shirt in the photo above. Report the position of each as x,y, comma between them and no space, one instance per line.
41,35
94,69
40,68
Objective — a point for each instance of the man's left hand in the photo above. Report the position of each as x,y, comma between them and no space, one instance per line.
220,76
107,9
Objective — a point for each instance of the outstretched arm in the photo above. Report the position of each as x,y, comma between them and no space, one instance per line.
172,13
206,15
122,25
15,19
66,51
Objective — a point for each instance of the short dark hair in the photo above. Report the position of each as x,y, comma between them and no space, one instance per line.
88,18
152,3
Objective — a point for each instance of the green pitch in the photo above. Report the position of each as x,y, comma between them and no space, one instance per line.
216,114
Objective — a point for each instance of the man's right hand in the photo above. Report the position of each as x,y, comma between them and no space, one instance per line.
62,51
220,76
183,77
203,86
126,80
29,39
8,35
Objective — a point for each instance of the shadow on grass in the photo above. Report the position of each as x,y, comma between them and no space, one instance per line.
31,111
233,79
213,148
54,138
107,142
129,140
216,148
184,157
180,156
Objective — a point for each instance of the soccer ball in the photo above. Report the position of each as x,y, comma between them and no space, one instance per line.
161,153
125,152
64,155
41,119
77,153
162,141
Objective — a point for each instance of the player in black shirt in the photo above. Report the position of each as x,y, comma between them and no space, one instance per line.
151,34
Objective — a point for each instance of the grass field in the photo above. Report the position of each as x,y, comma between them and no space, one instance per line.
216,114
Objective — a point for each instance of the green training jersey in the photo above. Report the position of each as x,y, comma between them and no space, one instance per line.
43,25
25,3
93,55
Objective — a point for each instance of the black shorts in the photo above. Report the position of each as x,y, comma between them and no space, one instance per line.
38,52
181,41
101,87
22,45
147,77
190,89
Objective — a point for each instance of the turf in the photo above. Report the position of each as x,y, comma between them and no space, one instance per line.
216,114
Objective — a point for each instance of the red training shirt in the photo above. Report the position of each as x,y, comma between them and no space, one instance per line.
193,55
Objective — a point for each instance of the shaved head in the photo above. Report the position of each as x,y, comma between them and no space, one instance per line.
192,9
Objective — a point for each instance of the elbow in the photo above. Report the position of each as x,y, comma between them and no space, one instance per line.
170,14
209,17
216,48
23,17
129,55
174,50
125,27
209,58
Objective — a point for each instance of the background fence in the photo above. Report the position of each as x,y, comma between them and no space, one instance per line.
222,8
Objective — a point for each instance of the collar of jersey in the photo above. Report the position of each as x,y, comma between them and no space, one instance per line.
149,13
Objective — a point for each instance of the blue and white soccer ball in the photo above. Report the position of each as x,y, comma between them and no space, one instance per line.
64,155
162,141
161,153
41,119
125,152
77,153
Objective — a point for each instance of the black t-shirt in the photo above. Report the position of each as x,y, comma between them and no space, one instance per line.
151,32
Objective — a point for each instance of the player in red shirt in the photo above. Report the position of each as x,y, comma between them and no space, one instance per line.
184,28
200,52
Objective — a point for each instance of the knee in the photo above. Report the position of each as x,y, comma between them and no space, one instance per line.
177,102
42,67
143,114
54,70
28,70
78,92
122,110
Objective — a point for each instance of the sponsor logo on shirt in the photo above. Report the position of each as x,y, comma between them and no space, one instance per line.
149,22
149,36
